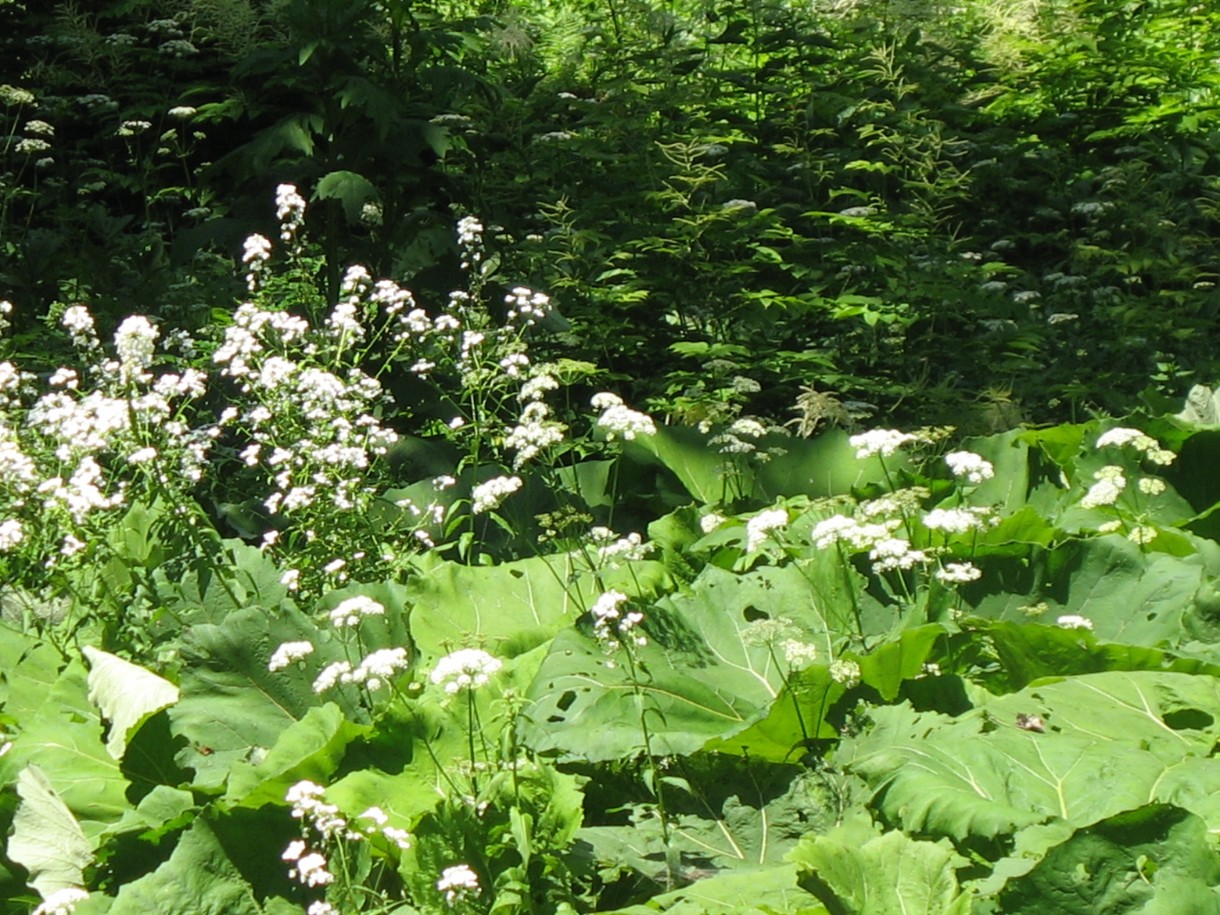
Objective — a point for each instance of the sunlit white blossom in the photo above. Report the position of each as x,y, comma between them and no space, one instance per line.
895,554
610,623
466,668
845,671
458,883
759,528
618,420
289,653
1106,491
958,573
489,495
882,442
351,611
1073,621
969,465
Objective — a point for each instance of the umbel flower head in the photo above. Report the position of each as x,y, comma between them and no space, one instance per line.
466,668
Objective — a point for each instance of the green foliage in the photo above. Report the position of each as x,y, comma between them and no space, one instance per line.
323,605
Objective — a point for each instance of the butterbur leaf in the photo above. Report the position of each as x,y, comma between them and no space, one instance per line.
126,694
888,875
1110,742
1155,859
198,879
47,840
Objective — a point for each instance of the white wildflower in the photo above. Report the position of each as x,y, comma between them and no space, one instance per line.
846,672
466,668
457,883
955,520
894,554
491,494
610,623
11,535
1072,621
1142,534
351,611
1151,486
958,573
969,465
620,420
758,528
882,442
1106,491
289,653
311,870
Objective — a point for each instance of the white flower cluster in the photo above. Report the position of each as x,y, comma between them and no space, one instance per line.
611,624
309,867
784,635
619,420
969,465
470,239
958,520
958,573
314,431
1074,621
1120,437
458,883
466,668
894,555
535,433
846,672
856,535
308,803
883,442
526,307
351,611
373,672
489,495
288,654
290,211
62,901
1108,488
255,253
759,528
614,550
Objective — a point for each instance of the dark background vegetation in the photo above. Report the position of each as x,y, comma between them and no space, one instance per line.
974,213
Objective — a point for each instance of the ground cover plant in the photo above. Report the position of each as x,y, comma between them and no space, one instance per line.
286,633
581,457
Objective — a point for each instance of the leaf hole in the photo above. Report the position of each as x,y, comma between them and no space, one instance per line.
753,615
1188,719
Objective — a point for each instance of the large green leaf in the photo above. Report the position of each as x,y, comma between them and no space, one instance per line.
1155,859
232,707
757,892
702,675
47,840
307,749
198,879
1130,596
126,694
509,608
1028,652
891,874
64,739
1077,750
